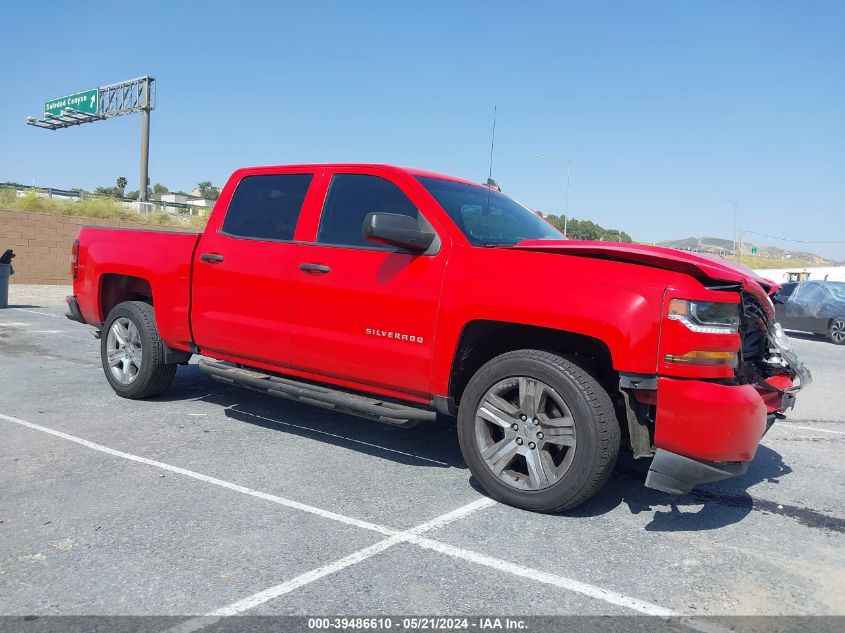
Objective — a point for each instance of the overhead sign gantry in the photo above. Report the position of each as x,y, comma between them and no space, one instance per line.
98,104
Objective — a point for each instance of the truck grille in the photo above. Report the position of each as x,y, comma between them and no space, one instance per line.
754,331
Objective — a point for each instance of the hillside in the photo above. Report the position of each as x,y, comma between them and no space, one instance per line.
718,246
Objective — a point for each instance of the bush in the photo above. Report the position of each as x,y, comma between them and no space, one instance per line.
90,207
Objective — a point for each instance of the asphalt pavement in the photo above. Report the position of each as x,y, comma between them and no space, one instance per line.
215,500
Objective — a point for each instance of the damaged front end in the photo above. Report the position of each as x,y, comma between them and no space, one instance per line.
768,361
708,429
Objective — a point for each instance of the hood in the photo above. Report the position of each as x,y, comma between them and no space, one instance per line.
703,267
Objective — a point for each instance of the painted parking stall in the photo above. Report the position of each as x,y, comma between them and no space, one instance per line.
216,501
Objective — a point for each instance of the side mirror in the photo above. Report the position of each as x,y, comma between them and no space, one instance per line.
394,229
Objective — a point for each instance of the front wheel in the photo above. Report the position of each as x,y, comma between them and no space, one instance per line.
537,431
837,331
133,353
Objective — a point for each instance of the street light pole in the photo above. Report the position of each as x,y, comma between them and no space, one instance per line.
568,181
741,236
734,203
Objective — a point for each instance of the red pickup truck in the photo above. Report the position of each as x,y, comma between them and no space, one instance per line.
397,294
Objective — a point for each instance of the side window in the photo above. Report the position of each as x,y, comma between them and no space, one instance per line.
813,294
808,293
267,207
350,198
786,290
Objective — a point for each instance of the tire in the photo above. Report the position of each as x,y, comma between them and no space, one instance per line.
577,428
137,369
836,332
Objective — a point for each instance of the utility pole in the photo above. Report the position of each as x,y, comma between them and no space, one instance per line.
145,139
568,180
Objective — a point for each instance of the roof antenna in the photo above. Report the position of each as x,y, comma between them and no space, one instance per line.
490,182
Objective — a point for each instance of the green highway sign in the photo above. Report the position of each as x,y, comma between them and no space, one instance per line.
753,250
85,101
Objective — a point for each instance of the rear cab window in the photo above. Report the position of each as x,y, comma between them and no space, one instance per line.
266,207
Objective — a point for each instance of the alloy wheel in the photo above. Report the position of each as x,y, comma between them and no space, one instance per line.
124,352
525,432
837,331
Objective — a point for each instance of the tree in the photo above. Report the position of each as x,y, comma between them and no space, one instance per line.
207,190
587,230
105,191
121,186
160,188
132,195
584,230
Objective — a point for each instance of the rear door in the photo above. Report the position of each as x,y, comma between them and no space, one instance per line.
806,303
242,270
365,313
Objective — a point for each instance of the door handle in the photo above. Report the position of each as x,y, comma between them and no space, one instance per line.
315,268
212,258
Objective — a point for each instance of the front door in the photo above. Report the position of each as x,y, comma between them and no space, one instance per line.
364,313
242,271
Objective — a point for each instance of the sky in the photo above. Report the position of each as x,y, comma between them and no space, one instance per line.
665,110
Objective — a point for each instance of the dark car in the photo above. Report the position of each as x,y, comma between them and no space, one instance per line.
813,306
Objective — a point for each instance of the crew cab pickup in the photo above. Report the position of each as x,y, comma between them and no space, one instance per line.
399,294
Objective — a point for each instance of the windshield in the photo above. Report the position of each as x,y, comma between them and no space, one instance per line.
487,217
837,289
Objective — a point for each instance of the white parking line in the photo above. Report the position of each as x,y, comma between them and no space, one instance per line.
315,574
261,417
810,428
536,575
55,316
326,514
409,536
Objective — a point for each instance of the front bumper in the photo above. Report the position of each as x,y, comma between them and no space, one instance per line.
677,474
709,421
706,431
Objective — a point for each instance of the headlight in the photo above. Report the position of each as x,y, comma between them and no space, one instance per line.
780,337
706,317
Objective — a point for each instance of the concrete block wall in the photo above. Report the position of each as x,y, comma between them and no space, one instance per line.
42,243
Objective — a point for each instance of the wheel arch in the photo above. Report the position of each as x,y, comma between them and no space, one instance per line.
482,340
115,288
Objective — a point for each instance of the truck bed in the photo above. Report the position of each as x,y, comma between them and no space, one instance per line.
162,259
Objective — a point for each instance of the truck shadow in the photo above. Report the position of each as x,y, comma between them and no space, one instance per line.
435,445
705,508
432,445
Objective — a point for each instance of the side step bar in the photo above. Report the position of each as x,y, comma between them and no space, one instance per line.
308,393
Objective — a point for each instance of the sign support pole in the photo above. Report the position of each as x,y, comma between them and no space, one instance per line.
145,141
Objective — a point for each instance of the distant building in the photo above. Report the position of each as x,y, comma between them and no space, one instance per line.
175,202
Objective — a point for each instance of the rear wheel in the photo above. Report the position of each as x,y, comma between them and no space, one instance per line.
538,431
837,331
132,352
